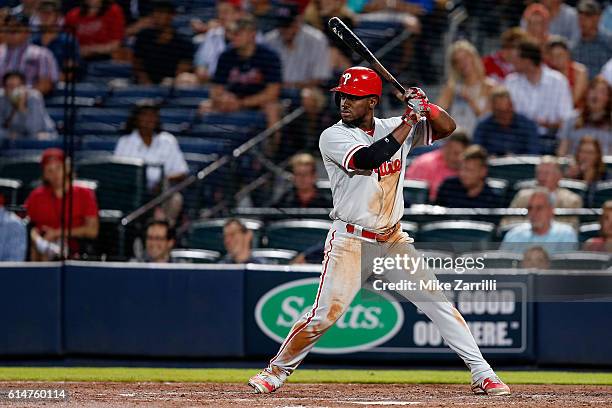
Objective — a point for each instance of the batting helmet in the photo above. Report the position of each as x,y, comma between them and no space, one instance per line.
359,81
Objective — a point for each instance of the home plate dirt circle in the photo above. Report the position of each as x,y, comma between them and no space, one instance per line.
114,394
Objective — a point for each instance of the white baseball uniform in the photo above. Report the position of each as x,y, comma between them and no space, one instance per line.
369,201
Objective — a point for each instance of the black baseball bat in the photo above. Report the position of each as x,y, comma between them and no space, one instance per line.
349,38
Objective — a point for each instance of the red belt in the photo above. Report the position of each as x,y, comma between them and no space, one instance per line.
351,229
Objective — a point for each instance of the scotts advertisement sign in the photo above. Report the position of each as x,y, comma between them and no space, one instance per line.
369,321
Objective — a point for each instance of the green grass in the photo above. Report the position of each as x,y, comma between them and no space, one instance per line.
304,376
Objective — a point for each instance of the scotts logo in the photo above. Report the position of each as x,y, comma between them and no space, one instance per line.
369,321
389,167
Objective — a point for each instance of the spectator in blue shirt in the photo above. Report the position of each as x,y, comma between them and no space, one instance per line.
505,131
555,237
248,76
13,236
469,189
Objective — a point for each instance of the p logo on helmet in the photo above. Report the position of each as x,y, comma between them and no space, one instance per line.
358,81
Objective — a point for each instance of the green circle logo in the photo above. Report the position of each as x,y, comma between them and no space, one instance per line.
370,320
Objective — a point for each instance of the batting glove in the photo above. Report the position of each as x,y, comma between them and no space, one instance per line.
411,117
419,100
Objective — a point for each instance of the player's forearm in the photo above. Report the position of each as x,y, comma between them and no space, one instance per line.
371,157
442,124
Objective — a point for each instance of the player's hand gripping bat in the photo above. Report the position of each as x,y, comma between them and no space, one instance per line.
350,39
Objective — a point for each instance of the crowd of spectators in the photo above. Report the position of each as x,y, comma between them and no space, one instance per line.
545,90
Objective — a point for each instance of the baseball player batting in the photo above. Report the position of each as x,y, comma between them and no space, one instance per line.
365,158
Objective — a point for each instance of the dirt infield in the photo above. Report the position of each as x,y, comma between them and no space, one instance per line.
92,394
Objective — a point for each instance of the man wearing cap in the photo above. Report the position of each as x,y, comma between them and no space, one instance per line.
594,48
36,63
13,233
303,50
248,76
44,208
62,44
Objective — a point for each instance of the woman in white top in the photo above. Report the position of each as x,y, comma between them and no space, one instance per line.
466,92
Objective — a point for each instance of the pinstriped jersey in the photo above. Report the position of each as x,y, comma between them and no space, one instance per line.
372,199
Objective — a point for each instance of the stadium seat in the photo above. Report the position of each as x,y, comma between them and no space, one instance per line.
198,93
232,133
84,89
185,102
141,91
415,192
297,235
121,181
197,256
111,241
104,71
208,234
203,146
33,144
272,256
456,233
496,259
513,169
603,193
102,143
9,188
576,186
581,261
109,116
499,186
588,230
244,119
82,128
78,101
25,169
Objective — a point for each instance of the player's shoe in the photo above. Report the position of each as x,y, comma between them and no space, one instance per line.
490,386
266,381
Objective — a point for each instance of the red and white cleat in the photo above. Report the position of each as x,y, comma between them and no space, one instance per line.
266,381
491,386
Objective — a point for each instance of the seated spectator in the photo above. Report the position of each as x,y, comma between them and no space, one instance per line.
563,20
304,193
148,142
215,40
248,76
264,13
27,9
548,174
594,119
602,243
317,14
160,52
504,131
36,63
436,166
594,48
303,50
99,27
237,240
22,111
466,92
559,58
588,166
540,93
159,241
306,66
13,236
536,22
61,43
44,206
535,257
469,189
499,64
553,236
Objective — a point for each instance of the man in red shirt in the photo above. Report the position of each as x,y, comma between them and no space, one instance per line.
436,166
44,208
499,64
